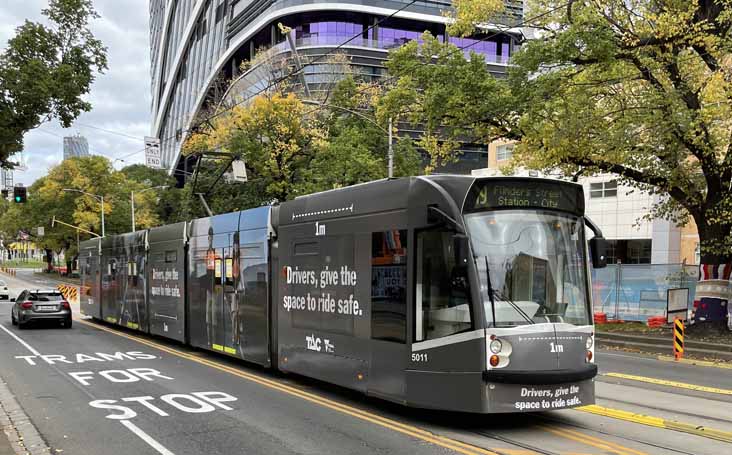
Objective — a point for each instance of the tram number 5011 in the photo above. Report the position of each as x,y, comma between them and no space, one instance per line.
419,357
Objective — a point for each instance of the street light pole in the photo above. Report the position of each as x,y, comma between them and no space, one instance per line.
96,196
132,205
102,199
391,153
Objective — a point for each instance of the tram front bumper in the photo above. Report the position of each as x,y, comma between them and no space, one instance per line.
517,397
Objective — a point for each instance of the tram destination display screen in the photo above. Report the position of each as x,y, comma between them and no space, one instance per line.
527,193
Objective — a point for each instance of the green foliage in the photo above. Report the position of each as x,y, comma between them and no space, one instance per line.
450,96
641,89
45,71
291,149
168,199
46,199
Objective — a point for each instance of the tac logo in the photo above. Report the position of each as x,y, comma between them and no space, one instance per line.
316,344
319,229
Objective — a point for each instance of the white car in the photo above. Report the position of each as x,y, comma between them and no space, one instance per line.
4,293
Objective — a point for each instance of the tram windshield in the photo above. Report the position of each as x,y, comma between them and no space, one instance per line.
533,261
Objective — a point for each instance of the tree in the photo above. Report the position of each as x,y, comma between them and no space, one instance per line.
46,70
291,148
272,135
169,198
641,89
94,175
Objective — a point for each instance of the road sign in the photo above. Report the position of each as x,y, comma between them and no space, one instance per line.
153,156
677,303
41,231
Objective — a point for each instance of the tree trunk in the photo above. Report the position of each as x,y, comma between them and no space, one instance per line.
69,264
49,260
713,289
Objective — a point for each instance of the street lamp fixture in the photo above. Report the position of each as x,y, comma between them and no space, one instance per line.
132,201
95,196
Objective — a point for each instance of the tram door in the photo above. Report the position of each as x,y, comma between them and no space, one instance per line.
388,313
227,335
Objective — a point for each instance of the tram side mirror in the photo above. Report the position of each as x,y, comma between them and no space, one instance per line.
598,252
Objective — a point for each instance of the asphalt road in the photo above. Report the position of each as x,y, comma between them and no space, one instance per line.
118,392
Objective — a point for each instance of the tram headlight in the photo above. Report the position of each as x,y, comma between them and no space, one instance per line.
589,342
495,346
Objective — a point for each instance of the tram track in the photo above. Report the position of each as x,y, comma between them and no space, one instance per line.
514,442
614,435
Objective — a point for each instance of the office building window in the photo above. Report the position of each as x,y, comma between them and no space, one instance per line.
604,189
637,251
504,152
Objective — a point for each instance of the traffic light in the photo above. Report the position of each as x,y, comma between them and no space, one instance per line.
20,194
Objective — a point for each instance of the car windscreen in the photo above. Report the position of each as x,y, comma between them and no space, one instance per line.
2,283
45,296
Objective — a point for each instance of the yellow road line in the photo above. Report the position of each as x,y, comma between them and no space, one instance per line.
581,438
680,385
703,363
603,441
658,422
418,433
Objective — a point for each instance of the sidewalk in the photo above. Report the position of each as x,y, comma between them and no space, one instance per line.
5,448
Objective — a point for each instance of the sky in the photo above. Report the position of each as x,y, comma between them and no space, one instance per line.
120,98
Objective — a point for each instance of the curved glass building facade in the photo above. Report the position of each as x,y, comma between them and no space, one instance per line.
197,44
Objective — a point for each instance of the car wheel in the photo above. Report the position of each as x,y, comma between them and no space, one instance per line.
67,323
12,319
21,325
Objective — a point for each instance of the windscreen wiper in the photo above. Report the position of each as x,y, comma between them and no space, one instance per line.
493,292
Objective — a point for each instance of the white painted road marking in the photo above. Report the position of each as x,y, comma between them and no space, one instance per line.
130,426
27,346
146,437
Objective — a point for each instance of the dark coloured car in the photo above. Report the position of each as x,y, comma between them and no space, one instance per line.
40,305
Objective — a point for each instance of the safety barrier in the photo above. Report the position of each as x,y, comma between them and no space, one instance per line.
8,270
70,293
678,338
637,292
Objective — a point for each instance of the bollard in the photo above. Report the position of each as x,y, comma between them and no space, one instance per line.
678,338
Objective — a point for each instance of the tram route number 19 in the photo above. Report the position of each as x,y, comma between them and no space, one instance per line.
419,357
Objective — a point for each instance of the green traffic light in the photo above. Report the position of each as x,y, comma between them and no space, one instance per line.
17,198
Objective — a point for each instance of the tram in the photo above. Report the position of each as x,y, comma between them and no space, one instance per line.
444,292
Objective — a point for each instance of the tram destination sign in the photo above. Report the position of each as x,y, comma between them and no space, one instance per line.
500,193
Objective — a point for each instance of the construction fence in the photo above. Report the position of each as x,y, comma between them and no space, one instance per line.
635,292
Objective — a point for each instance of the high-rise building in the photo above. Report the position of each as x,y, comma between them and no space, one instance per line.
197,43
75,146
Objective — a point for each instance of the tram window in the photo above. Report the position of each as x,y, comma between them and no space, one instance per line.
442,291
171,256
389,286
306,248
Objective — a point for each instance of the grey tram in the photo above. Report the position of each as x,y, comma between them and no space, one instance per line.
444,292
